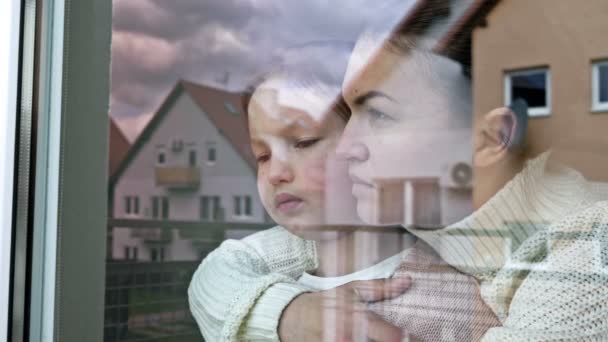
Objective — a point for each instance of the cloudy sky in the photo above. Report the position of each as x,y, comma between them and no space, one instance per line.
157,42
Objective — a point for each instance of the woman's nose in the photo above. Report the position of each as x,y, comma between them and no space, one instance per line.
280,172
350,146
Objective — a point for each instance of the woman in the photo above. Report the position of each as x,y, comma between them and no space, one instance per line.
540,286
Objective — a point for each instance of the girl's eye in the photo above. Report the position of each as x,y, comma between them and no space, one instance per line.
306,143
262,158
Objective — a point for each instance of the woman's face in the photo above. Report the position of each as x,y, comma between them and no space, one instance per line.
292,142
400,125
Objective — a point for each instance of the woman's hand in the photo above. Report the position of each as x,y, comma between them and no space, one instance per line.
341,314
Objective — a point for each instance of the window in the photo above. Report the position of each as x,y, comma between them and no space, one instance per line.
218,211
533,86
131,253
600,86
153,254
210,208
128,205
131,205
242,206
237,205
160,207
192,158
211,153
161,158
248,211
157,254
155,207
427,204
165,208
204,208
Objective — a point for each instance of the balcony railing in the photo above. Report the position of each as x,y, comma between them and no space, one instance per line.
178,177
159,235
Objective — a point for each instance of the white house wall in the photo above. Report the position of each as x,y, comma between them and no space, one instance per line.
229,176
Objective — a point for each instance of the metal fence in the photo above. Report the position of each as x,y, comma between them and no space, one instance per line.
147,300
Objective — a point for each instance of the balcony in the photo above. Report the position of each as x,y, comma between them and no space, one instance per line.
178,177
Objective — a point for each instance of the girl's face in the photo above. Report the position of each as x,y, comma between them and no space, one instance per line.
291,145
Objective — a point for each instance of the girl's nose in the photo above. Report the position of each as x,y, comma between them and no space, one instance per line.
280,172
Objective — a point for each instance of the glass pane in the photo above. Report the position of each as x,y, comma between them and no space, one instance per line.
532,87
603,83
276,151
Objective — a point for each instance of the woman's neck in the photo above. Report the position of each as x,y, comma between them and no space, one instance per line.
336,253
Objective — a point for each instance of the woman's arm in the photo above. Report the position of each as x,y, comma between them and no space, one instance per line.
564,296
258,272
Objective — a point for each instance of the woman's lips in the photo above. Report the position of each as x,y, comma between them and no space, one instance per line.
287,203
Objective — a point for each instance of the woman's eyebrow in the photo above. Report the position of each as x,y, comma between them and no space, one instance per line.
363,98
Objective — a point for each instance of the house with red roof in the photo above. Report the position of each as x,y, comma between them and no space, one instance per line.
191,163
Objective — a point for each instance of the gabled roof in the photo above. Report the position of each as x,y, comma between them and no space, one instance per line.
456,43
119,147
216,104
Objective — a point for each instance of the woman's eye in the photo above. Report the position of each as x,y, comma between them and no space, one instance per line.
262,158
306,143
377,115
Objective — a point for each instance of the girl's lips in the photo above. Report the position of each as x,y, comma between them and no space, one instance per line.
287,203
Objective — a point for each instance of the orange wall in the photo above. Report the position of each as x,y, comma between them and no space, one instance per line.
566,36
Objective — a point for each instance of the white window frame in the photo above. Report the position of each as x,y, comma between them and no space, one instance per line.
596,104
532,111
10,12
241,199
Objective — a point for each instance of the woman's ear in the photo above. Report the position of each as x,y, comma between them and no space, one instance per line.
495,135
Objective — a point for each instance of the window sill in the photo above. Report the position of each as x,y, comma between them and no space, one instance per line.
599,110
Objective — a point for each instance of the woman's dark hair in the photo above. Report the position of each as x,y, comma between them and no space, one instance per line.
307,66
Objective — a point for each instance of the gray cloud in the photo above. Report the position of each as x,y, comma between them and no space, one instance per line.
157,42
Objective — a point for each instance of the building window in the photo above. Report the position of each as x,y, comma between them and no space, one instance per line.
131,205
204,208
155,207
165,208
533,86
218,212
157,254
210,208
427,204
131,253
211,153
161,157
160,207
128,205
600,86
248,211
242,206
192,158
237,205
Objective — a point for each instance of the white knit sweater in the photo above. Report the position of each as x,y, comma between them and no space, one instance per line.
539,249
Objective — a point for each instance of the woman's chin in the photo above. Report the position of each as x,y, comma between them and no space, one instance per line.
366,213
